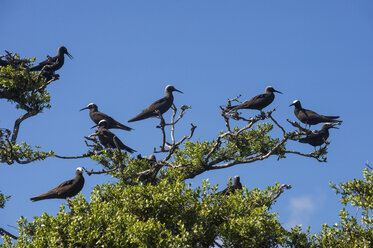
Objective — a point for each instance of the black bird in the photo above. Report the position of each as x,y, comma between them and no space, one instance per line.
108,139
309,117
3,62
236,185
66,189
317,138
97,116
52,64
258,102
160,106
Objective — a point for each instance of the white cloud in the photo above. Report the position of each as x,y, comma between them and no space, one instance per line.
301,210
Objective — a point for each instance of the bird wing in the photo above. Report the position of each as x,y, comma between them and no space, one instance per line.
149,111
64,185
121,145
112,123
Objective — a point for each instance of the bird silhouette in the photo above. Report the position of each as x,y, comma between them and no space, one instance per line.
310,117
97,116
317,138
257,102
108,139
66,189
158,107
52,64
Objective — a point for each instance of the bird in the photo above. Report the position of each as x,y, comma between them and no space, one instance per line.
97,116
108,139
236,185
3,62
257,102
66,189
309,117
317,138
158,107
52,64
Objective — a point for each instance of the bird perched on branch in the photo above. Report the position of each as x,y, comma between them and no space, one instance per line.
66,189
97,116
52,64
108,139
257,102
158,107
310,117
236,185
317,138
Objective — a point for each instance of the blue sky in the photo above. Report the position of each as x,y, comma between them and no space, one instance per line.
126,52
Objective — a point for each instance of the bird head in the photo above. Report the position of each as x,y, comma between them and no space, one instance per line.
102,123
79,171
271,89
63,50
170,88
328,126
296,103
90,106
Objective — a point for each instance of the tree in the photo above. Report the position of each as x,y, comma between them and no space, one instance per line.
151,205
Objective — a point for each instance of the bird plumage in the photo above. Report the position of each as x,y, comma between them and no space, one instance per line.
97,116
110,140
257,102
236,185
66,189
317,138
159,106
52,64
310,117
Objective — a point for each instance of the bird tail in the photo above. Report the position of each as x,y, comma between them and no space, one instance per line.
128,149
142,116
43,197
303,140
332,117
124,127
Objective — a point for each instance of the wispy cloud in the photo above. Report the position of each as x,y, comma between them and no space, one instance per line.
301,210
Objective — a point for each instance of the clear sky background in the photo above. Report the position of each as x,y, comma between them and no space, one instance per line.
126,52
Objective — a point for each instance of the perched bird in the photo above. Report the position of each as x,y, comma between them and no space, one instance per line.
66,189
309,117
258,102
52,64
236,185
97,116
160,106
3,62
108,139
317,138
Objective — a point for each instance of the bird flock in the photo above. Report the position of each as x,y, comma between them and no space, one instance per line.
108,139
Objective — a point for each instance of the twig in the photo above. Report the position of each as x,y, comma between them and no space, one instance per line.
280,191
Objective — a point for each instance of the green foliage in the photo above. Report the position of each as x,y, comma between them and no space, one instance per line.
25,88
351,232
22,153
162,215
3,199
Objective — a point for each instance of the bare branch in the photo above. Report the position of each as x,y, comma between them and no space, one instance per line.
18,123
280,191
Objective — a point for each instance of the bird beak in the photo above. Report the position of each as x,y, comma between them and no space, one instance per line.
94,126
291,104
277,91
179,91
335,127
70,56
83,108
